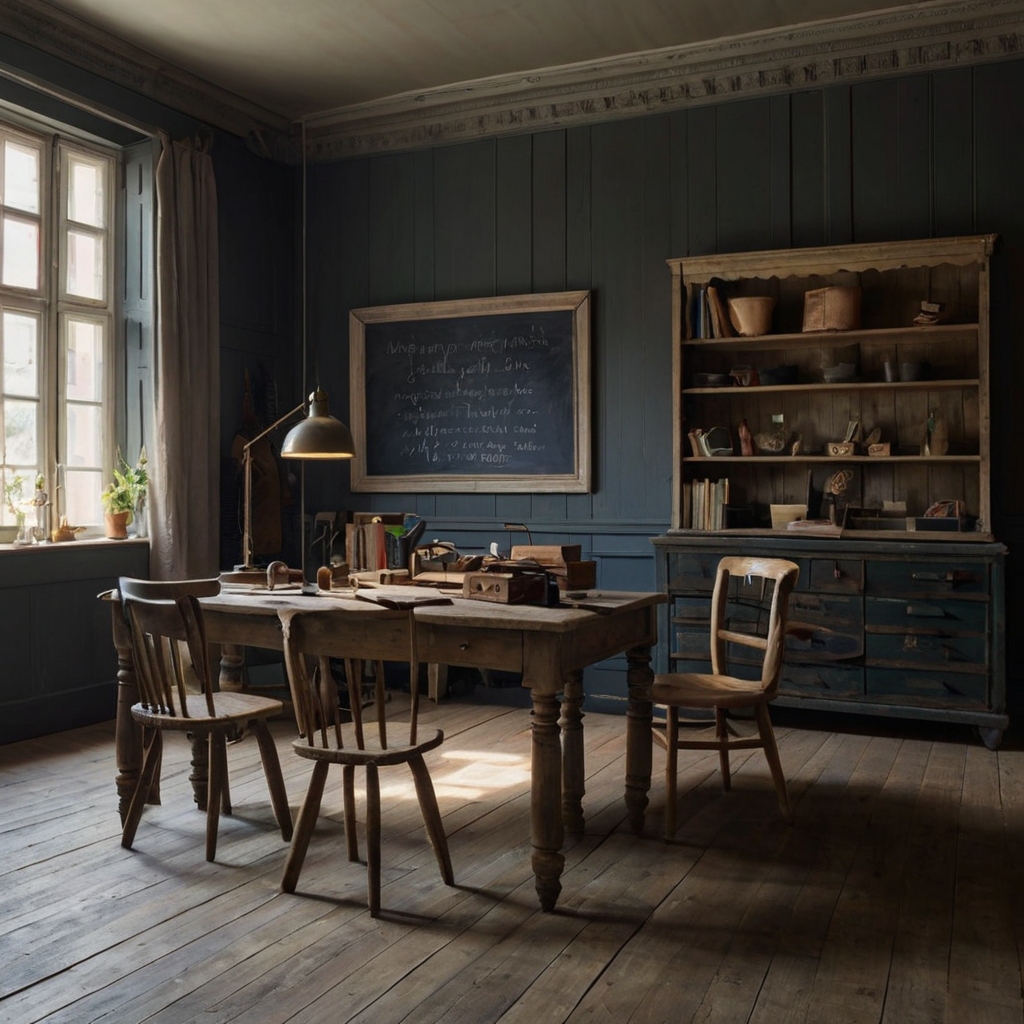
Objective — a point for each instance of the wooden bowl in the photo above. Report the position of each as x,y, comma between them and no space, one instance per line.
751,315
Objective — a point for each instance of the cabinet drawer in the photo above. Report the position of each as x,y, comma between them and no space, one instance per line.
836,575
838,623
927,688
889,578
692,573
927,614
916,650
831,681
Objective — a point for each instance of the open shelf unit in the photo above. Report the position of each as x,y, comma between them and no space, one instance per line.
950,358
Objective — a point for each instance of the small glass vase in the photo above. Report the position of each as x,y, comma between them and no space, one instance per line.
139,521
22,536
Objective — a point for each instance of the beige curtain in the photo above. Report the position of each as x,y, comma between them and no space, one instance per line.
184,487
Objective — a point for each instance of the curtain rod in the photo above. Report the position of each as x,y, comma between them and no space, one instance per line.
96,109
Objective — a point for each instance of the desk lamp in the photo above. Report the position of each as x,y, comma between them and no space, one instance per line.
318,436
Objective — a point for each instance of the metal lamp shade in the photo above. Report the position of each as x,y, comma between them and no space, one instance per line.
320,435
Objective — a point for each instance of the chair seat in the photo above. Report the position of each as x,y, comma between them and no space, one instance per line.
229,706
707,690
398,754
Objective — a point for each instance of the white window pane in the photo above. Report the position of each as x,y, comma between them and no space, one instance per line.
21,253
84,436
85,265
21,177
86,200
84,373
20,345
21,437
81,501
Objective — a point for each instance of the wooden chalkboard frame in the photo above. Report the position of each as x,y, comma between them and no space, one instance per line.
576,481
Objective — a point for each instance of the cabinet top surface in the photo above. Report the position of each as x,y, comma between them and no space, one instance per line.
834,258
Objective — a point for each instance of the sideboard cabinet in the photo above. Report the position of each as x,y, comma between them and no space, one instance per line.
905,612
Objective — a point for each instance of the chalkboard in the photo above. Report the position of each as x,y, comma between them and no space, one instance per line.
472,395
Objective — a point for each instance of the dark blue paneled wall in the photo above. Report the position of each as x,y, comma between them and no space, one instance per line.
602,207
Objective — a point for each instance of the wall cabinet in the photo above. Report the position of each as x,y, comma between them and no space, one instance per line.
907,620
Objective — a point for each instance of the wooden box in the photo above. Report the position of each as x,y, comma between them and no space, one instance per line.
506,587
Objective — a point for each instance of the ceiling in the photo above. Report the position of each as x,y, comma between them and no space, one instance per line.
302,57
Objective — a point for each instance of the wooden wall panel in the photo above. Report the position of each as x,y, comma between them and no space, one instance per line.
913,96
807,145
549,212
464,249
390,233
952,119
838,170
701,181
875,161
781,170
578,175
655,406
513,201
617,220
743,197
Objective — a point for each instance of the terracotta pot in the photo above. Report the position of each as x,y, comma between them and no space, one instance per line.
117,524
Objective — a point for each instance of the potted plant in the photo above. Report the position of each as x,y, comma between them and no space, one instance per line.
124,497
14,499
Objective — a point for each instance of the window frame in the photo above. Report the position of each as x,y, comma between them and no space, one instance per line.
55,305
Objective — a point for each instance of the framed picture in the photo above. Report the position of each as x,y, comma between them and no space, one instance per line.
472,395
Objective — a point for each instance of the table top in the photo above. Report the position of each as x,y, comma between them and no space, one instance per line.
564,618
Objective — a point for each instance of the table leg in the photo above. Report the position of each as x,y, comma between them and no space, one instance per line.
638,734
200,774
546,799
127,732
232,668
573,786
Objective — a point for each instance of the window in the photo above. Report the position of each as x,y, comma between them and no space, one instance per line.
56,319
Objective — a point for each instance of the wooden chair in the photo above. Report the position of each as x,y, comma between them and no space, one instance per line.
371,740
172,658
722,692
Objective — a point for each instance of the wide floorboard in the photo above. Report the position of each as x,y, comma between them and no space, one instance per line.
897,896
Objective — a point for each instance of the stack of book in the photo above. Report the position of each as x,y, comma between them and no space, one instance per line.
382,540
704,508
706,313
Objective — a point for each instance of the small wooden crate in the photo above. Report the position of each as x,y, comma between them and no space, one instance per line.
836,308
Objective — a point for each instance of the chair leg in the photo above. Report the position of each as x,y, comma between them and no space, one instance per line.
432,817
771,753
722,732
304,826
671,768
348,776
275,780
150,763
215,785
373,839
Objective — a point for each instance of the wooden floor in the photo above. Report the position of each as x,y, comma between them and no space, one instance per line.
898,896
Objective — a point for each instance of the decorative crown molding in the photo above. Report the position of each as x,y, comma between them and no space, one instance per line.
63,35
922,37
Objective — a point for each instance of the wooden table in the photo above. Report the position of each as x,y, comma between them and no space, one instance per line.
549,646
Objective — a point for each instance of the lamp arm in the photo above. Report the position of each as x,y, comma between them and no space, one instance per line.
273,426
247,491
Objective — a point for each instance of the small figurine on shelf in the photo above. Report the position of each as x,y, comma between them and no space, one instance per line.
746,440
936,436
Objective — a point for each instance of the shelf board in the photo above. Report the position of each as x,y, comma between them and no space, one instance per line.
867,385
768,460
832,339
939,536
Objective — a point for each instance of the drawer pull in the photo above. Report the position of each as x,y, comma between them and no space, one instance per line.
940,577
464,646
928,611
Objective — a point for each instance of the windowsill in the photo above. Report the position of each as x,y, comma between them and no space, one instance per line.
69,545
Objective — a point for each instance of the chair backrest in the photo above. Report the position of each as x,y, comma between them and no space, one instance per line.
784,574
168,640
353,633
